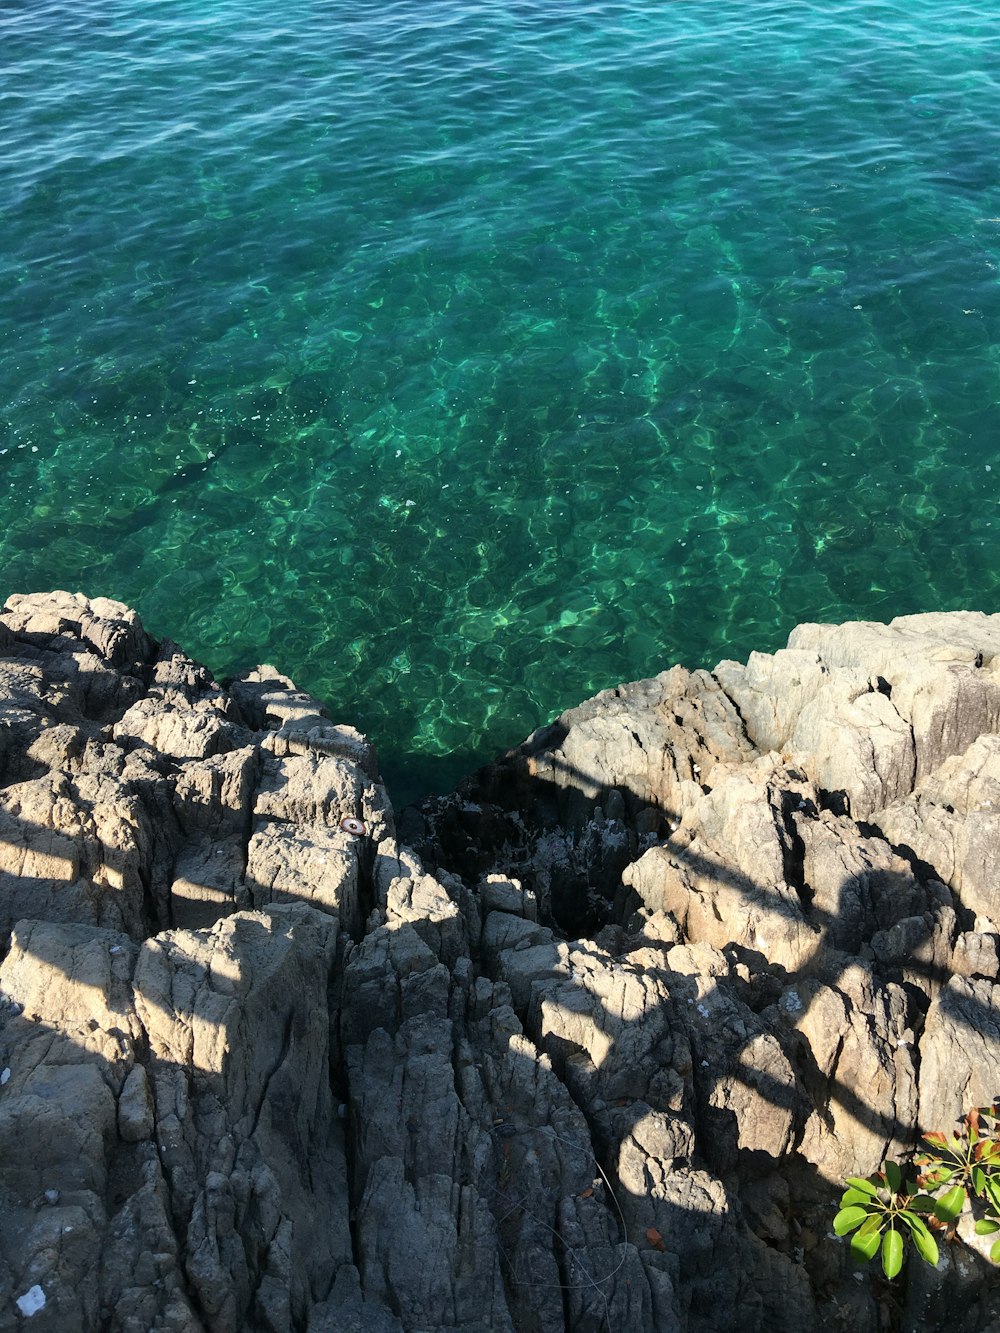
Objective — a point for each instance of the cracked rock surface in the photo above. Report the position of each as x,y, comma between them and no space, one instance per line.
587,1045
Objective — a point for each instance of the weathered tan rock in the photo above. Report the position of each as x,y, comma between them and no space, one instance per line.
725,875
952,822
647,740
959,1052
178,1122
870,708
228,1136
73,848
110,630
592,1052
942,670
848,734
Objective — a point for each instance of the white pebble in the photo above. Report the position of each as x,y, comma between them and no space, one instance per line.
4,1077
31,1302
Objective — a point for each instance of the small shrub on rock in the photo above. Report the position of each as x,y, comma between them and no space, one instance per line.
882,1211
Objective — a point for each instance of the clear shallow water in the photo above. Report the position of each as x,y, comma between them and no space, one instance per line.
464,359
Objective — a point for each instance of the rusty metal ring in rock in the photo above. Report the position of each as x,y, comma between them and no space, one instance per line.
356,827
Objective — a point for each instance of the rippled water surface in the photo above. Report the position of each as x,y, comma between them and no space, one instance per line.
465,358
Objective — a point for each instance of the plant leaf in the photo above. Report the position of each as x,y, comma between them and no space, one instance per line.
987,1225
949,1207
995,1253
865,1186
940,1175
893,1177
922,1239
922,1203
865,1243
849,1218
855,1196
892,1253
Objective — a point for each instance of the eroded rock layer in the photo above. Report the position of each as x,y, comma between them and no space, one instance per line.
587,1045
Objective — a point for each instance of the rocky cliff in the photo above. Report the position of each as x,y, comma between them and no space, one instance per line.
586,1045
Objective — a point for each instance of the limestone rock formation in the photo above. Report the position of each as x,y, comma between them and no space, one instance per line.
587,1045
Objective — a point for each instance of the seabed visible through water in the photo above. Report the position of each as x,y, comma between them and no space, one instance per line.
463,360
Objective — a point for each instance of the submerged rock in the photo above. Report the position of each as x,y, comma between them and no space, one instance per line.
589,1044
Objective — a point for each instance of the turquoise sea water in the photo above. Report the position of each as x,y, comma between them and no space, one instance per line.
465,358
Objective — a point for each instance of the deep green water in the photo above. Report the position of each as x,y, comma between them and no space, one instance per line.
465,358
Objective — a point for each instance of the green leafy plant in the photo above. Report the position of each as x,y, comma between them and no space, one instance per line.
881,1211
964,1164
